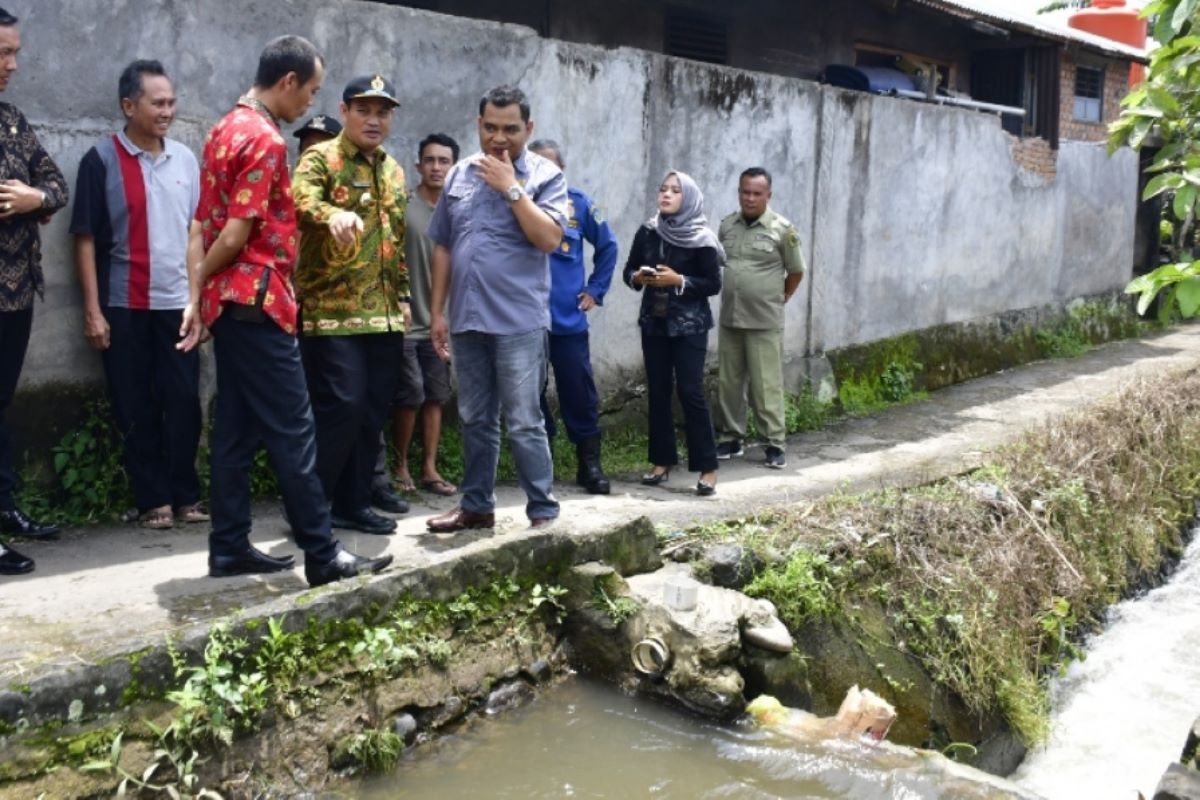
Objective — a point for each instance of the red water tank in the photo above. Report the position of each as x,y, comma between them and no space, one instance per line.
1112,20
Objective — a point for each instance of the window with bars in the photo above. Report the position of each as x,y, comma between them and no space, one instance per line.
1089,89
693,34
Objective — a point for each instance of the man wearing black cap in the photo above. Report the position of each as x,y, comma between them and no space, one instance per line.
31,189
353,286
320,128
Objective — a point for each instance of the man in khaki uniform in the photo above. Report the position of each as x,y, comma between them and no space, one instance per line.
763,268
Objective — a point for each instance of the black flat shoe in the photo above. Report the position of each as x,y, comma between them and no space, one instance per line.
13,563
251,561
344,565
705,489
385,499
17,523
364,520
655,478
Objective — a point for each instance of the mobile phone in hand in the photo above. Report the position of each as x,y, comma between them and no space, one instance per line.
647,270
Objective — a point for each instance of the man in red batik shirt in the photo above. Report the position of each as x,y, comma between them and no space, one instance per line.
241,255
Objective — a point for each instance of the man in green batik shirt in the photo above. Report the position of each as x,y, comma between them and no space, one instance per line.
352,284
763,268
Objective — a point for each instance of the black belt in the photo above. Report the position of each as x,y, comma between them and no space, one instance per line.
245,312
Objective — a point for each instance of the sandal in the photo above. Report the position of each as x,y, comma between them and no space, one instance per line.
193,512
404,483
438,486
157,519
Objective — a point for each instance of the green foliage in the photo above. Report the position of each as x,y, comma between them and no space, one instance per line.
806,412
1164,110
547,597
1067,339
895,383
1062,5
619,609
802,589
382,654
376,750
220,697
262,478
89,483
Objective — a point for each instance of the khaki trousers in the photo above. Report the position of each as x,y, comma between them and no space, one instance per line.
750,363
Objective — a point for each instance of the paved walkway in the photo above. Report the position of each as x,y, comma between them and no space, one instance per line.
102,591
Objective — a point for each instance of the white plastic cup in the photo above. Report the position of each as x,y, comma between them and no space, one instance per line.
680,594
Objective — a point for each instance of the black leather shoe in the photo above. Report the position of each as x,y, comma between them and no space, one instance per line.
13,563
18,523
364,520
344,565
385,499
250,561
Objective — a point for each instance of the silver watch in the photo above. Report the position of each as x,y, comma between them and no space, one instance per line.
514,193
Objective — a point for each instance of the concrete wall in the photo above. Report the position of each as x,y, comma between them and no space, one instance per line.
911,215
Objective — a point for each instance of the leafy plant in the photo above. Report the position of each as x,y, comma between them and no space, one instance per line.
801,589
1165,110
619,609
376,750
547,596
218,698
90,480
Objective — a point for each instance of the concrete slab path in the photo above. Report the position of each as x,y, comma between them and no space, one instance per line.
106,590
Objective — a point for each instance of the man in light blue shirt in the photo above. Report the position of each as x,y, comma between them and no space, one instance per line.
501,212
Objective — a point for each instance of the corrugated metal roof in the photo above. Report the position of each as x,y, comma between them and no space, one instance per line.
990,12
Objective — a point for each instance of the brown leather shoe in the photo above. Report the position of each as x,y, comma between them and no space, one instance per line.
458,519
541,522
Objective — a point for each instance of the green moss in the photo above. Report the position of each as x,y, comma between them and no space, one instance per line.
943,355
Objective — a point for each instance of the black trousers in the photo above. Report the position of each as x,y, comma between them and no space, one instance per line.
155,391
352,381
677,362
578,400
261,398
14,339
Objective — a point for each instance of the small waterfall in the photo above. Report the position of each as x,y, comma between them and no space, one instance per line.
1122,715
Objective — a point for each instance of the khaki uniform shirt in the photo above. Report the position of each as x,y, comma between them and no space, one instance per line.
759,256
357,288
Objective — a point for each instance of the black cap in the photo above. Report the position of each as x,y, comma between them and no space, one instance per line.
321,123
367,86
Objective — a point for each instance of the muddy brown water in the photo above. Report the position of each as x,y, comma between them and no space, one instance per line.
586,740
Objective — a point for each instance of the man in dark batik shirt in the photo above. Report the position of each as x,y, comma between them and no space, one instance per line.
32,190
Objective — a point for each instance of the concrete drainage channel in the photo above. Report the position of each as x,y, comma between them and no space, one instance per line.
346,687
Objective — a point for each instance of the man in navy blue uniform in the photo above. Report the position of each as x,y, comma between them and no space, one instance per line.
572,295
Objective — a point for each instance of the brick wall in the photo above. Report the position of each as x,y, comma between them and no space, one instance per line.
1116,85
1035,155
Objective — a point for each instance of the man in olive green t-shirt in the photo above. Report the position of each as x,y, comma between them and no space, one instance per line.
762,270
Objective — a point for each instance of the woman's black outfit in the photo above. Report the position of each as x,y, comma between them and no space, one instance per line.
675,328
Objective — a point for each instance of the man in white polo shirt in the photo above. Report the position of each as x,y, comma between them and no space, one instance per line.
137,192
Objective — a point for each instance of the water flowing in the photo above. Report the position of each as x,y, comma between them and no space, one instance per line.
1121,716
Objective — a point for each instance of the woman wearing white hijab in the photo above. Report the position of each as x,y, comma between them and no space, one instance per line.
676,259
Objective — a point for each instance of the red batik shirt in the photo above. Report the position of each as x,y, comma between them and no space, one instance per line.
244,175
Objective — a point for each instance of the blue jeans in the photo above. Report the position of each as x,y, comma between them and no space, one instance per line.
503,373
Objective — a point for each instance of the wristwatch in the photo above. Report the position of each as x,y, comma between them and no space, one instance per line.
514,193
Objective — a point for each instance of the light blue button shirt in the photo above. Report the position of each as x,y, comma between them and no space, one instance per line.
499,282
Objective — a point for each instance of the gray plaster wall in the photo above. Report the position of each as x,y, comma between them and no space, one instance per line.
911,215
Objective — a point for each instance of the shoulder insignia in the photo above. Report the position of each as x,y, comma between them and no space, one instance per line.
793,238
597,214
